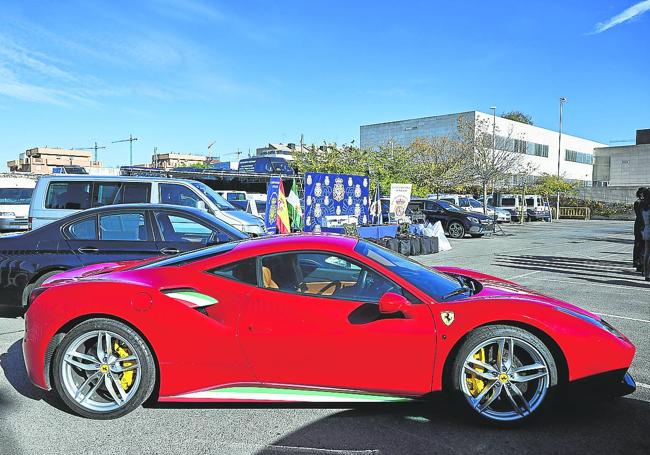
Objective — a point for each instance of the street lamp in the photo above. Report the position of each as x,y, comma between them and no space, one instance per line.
559,155
494,152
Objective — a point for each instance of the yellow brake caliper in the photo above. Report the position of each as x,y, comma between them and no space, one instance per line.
126,379
474,383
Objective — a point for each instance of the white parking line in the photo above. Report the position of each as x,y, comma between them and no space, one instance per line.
523,275
622,317
615,286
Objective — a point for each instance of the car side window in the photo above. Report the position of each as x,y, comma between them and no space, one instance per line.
68,195
105,193
174,194
178,228
128,226
324,275
85,229
244,271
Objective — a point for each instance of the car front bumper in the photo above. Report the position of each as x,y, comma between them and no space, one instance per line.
615,383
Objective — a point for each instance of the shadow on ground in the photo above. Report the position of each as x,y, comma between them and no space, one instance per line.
601,271
617,426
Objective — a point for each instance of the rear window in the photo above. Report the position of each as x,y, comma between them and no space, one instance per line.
15,196
68,195
508,202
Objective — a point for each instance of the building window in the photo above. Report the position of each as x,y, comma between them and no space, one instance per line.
520,146
578,157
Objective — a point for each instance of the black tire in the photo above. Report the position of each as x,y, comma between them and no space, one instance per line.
485,334
456,230
147,368
30,287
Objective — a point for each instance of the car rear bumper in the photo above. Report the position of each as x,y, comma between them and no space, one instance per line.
10,223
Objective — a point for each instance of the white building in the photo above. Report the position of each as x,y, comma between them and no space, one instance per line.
539,145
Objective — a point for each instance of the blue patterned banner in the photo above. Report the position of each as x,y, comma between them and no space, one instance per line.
335,195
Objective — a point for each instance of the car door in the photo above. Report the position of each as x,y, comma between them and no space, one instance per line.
314,321
177,232
119,235
435,213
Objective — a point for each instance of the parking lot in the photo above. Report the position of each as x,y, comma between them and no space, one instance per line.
586,263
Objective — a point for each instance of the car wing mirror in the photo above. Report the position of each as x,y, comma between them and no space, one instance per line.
391,303
201,205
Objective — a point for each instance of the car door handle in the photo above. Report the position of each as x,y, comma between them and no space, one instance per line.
170,251
88,249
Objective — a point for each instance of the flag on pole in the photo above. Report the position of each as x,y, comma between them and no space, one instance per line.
295,211
282,221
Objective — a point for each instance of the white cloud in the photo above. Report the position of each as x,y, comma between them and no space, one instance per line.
630,13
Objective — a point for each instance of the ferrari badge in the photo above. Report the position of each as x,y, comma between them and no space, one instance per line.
447,317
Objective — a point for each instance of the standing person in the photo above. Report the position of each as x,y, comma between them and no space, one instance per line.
637,255
645,213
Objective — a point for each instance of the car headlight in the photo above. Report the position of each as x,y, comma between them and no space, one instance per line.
7,214
473,220
598,323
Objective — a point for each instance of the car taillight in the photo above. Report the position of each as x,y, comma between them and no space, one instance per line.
29,223
34,294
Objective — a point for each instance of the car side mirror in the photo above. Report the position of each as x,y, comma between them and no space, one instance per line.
391,303
201,205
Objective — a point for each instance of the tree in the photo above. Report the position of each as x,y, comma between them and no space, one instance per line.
435,163
490,162
518,116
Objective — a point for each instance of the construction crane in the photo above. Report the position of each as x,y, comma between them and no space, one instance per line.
95,148
130,141
619,141
238,153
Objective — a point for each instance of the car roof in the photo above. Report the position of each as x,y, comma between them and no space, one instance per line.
113,178
142,206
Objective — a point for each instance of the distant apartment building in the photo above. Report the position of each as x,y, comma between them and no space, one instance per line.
624,165
538,145
279,150
41,160
171,160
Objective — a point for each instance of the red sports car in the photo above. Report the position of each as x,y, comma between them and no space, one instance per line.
309,318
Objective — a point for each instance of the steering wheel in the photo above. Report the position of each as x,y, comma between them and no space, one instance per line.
336,283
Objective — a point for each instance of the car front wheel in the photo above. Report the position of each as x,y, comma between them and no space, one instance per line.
103,369
503,373
456,230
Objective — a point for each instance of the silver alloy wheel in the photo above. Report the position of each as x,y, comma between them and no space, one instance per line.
514,378
456,230
92,370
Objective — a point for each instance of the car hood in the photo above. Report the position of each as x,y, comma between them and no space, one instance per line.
242,217
493,288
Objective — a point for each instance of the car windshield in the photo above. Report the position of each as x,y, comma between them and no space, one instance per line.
433,283
15,196
449,206
474,203
216,199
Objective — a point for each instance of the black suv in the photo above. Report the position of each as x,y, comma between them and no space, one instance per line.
455,221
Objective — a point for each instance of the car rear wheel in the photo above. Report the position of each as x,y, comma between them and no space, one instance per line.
456,230
36,284
503,373
103,369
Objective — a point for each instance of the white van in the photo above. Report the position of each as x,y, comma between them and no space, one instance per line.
58,196
535,207
15,196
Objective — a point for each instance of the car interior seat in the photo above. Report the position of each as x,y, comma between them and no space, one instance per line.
268,279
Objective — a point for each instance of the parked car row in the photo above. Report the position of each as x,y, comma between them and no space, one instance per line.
103,234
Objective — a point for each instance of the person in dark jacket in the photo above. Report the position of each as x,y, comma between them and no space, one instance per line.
637,255
645,214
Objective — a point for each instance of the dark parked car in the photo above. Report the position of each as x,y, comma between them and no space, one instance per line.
104,234
455,221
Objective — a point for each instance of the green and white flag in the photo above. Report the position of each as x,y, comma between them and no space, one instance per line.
295,211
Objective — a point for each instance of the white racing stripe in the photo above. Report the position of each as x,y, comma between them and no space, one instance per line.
315,398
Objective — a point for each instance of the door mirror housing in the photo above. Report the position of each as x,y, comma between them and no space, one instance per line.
391,303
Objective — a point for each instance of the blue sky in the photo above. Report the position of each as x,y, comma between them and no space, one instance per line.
180,74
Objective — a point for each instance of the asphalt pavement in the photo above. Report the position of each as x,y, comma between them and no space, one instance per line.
586,263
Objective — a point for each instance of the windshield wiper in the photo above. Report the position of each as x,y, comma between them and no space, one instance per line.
460,290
